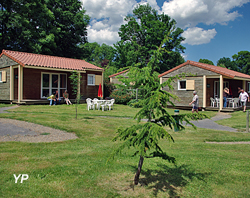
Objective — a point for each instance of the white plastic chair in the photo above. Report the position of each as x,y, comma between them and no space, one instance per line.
90,104
236,102
217,100
110,105
212,102
100,103
231,103
104,106
95,103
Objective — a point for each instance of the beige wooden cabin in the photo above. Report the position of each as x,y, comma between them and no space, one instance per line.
209,82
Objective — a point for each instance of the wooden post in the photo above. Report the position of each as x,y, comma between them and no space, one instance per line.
204,91
11,83
102,85
161,82
136,94
79,86
221,92
20,83
244,85
247,122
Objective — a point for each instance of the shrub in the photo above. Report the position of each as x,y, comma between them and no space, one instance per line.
108,88
120,96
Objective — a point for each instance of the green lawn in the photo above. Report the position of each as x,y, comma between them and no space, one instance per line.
5,105
79,168
238,121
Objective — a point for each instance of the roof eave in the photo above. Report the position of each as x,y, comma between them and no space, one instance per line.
11,57
117,74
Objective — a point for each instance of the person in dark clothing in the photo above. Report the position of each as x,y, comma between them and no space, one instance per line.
225,95
57,99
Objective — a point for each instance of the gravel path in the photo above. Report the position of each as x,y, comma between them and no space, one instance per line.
211,124
3,109
15,130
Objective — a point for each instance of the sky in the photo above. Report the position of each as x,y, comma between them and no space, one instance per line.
213,28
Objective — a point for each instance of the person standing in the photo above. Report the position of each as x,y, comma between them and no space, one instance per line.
195,102
225,95
244,97
239,90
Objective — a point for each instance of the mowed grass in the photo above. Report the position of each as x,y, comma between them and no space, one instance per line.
5,105
79,168
238,121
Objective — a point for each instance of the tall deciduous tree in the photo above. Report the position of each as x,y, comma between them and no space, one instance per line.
206,61
100,55
141,36
242,61
53,27
226,62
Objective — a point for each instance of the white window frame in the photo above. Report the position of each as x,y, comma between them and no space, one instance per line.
1,77
91,75
50,85
248,87
179,87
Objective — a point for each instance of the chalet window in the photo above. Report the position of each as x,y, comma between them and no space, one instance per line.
186,85
52,82
91,79
2,76
182,85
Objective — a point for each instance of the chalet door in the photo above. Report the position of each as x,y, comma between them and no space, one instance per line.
46,85
217,88
63,84
53,82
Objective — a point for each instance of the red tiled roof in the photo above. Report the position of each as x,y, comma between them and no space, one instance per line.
39,60
113,75
219,70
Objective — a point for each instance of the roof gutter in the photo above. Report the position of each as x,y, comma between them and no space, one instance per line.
54,69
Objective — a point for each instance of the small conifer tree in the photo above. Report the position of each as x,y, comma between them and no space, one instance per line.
145,136
75,79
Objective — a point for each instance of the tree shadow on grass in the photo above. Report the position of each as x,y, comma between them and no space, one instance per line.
169,180
88,118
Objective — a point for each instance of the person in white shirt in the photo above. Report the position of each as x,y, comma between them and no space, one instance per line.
244,97
195,102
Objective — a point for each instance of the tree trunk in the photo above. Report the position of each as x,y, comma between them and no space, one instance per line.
137,175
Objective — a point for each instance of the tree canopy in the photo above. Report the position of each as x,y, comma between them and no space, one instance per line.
241,61
99,55
227,63
53,27
141,36
206,61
